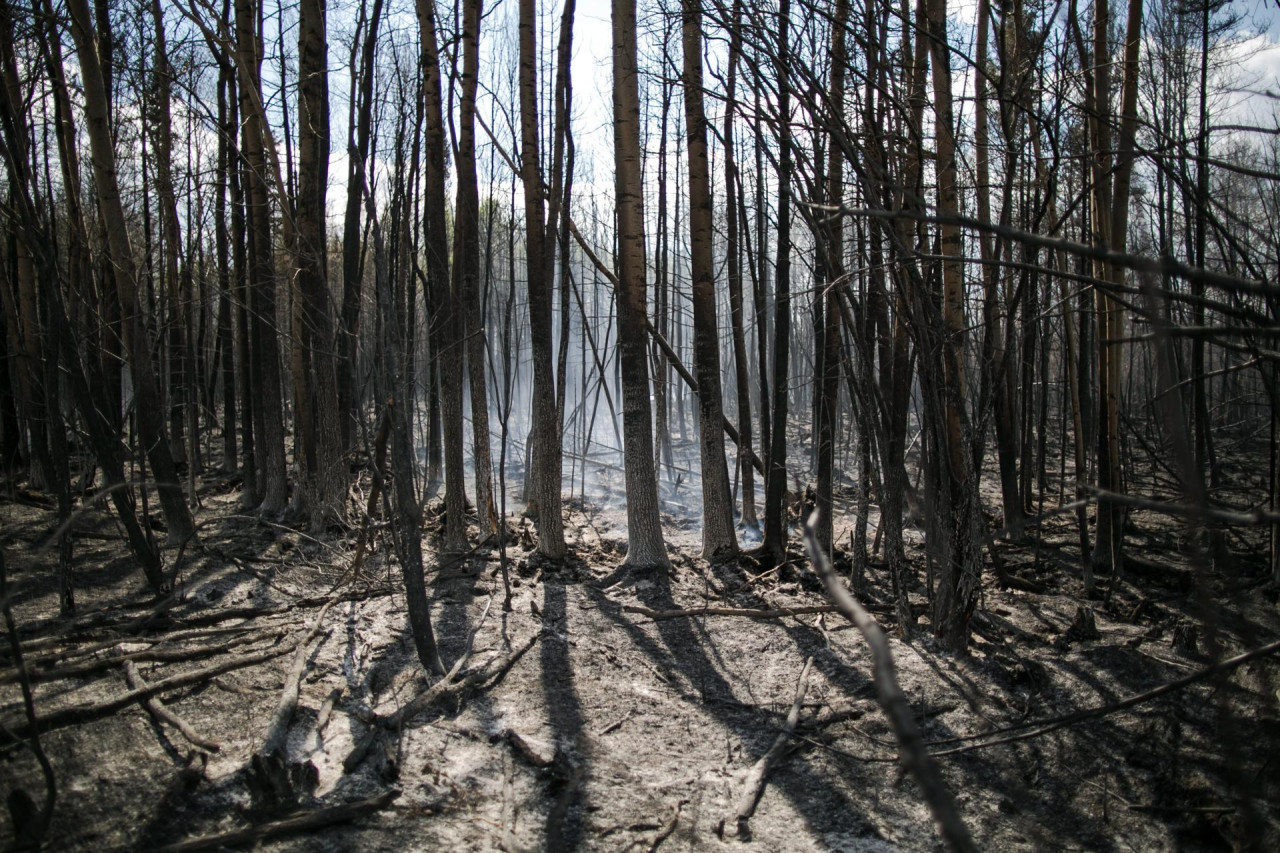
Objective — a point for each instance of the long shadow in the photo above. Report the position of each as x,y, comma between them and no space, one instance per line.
682,657
571,765
1015,785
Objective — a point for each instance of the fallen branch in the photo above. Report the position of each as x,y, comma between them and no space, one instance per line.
747,612
300,822
161,714
278,728
154,655
665,832
326,710
36,828
894,704
1044,726
49,659
754,786
271,777
97,710
119,631
450,686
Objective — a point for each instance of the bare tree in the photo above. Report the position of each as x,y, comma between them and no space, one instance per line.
149,409
646,547
325,480
717,508
448,340
466,265
545,458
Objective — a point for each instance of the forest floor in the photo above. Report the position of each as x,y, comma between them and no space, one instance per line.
615,730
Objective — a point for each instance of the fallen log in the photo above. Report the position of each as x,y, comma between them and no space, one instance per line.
88,713
272,777
161,714
306,821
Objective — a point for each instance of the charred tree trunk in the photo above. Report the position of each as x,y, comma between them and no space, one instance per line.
225,270
447,319
734,276
646,548
832,264
353,249
466,266
960,570
146,387
545,461
325,482
775,526
717,507
265,372
170,234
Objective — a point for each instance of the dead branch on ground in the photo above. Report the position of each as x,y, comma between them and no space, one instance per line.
747,612
306,821
161,714
914,756
754,786
87,713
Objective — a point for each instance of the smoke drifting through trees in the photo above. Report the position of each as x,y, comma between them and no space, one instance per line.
914,268
221,251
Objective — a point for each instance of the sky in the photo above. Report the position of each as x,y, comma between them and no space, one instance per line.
1254,73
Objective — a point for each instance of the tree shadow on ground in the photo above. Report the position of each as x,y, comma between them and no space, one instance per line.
682,655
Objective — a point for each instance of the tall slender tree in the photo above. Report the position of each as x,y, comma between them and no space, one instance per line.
272,494
466,264
775,526
120,251
646,547
733,275
353,248
717,508
831,261
448,340
545,436
325,481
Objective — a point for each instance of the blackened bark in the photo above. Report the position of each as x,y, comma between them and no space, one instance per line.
646,548
717,508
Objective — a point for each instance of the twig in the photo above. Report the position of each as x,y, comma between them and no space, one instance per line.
163,714
295,823
754,785
893,702
665,832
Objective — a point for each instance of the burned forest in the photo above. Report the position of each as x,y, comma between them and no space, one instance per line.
708,425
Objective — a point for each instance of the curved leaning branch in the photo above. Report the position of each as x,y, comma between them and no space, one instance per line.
893,702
